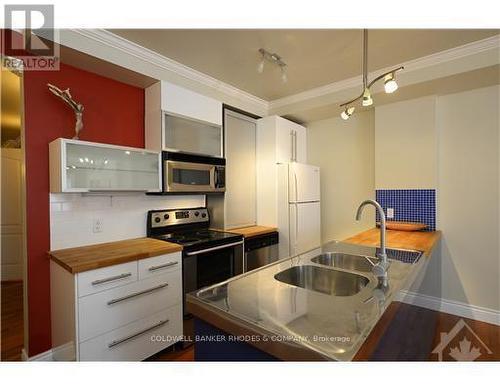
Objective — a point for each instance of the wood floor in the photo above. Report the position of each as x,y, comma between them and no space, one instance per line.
12,331
12,335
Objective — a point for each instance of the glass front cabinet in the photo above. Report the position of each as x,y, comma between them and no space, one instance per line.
81,166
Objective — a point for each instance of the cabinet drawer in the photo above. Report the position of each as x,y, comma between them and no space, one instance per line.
108,310
106,278
155,266
136,341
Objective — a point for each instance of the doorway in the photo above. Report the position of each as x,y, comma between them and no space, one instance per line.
13,230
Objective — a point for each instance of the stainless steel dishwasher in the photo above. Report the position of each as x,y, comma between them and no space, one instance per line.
261,250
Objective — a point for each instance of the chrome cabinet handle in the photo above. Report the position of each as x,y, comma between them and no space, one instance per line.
114,301
129,337
154,268
114,278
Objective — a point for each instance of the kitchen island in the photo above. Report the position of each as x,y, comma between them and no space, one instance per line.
271,313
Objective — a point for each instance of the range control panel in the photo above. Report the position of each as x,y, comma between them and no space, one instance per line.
167,217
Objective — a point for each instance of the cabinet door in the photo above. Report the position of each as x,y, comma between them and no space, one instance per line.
186,135
189,104
284,138
291,142
79,166
300,144
240,197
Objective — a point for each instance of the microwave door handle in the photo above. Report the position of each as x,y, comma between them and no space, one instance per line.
216,177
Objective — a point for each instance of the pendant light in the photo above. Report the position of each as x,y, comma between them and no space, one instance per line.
390,84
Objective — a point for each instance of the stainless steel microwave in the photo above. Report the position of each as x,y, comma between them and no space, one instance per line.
186,173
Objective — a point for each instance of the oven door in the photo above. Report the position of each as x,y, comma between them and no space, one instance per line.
189,177
211,266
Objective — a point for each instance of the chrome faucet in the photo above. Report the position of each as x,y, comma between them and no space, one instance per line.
379,269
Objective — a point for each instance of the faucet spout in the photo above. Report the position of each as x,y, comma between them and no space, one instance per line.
380,270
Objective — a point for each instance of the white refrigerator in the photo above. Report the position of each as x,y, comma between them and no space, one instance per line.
299,208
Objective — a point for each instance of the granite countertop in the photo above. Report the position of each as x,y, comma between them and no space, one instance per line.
293,323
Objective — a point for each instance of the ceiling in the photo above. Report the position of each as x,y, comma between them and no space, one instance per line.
314,57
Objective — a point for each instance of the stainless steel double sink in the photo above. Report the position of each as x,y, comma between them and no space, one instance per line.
329,280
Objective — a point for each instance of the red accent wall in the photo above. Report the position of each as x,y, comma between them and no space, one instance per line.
114,114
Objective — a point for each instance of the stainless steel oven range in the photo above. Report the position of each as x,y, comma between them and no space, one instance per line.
208,256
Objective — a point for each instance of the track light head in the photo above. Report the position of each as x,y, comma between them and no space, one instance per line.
390,84
260,66
346,114
367,97
284,76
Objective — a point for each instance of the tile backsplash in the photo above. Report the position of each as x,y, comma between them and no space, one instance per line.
123,216
415,205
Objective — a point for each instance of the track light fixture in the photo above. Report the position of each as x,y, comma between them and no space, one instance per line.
390,84
273,58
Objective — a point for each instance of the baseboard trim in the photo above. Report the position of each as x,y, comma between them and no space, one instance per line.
450,307
44,356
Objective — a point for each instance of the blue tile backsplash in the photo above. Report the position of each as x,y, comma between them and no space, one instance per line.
415,205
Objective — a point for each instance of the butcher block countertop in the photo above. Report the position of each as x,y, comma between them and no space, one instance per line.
416,240
81,259
254,230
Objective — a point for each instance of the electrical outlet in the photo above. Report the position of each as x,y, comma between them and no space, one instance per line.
97,225
390,213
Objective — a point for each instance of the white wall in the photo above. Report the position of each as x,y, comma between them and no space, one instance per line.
468,128
344,150
123,216
406,145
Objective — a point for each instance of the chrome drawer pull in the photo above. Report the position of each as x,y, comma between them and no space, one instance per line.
128,338
114,278
153,268
114,301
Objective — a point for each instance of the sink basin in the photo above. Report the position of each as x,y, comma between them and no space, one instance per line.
345,261
327,281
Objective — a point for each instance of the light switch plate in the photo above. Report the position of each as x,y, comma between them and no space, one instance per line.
390,213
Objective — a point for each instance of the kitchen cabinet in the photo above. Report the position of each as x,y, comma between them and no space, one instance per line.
240,136
81,166
177,119
128,311
281,140
226,209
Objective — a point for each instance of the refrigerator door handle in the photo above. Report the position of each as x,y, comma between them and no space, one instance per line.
296,215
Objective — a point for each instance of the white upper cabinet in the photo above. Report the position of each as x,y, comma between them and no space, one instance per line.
281,140
178,119
81,166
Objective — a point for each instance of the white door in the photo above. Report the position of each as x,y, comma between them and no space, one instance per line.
305,227
304,184
12,218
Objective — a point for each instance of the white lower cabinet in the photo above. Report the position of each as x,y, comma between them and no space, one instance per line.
123,312
137,340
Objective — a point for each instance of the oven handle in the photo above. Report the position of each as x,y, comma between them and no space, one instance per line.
207,250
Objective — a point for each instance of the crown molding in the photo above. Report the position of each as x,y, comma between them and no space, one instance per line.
411,66
417,70
109,39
